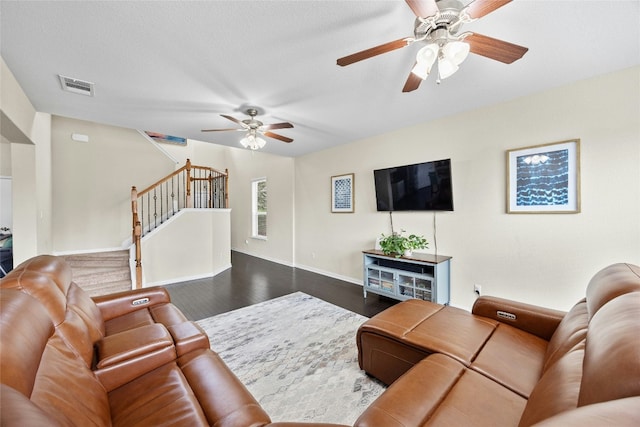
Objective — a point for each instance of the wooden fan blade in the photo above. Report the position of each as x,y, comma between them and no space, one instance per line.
412,83
423,8
480,8
276,136
218,130
233,119
495,49
374,51
276,126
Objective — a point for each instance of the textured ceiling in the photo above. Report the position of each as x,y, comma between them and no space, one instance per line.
173,67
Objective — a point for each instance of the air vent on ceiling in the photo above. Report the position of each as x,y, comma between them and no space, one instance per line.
76,86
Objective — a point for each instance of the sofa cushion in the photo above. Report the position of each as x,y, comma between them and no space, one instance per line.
571,330
66,388
558,389
18,410
453,332
163,313
80,302
131,320
37,361
513,358
40,287
225,400
610,282
441,391
26,328
162,397
612,355
618,413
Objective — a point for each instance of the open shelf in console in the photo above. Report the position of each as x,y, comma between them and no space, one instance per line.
422,276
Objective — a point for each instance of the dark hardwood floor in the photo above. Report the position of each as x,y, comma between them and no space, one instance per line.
251,280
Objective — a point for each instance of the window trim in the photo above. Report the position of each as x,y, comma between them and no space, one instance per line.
254,209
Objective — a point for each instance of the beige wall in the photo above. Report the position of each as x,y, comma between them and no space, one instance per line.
205,232
244,167
30,168
92,183
5,158
14,101
544,259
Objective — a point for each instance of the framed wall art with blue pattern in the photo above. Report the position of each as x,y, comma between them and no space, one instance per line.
544,178
342,200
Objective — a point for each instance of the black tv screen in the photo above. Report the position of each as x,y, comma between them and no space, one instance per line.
419,187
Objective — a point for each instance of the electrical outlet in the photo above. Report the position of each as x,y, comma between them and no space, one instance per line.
477,289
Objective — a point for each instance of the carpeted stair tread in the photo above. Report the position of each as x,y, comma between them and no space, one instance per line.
101,273
92,276
104,259
106,288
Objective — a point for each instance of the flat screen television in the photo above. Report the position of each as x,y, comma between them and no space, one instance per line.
419,187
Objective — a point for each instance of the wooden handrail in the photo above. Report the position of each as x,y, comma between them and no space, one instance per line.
186,168
170,203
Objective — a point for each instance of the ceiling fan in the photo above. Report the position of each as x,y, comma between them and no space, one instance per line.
254,127
437,25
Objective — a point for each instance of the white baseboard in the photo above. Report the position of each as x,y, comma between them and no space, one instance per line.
330,274
187,278
304,267
277,261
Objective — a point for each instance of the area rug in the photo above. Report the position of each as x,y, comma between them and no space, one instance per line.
297,355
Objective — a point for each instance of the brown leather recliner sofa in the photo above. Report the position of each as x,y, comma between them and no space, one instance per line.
127,359
133,359
508,363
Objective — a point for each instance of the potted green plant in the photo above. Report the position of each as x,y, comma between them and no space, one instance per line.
398,245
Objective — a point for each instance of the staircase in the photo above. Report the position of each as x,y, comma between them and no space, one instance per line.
101,273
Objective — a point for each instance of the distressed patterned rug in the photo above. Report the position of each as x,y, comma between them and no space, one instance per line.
297,355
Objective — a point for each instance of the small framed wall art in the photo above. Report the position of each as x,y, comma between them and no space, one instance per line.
544,178
342,200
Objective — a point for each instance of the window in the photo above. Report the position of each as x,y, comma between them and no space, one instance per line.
259,208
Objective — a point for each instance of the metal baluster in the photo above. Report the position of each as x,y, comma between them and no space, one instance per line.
173,196
155,207
148,212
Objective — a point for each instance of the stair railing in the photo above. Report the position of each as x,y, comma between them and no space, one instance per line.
188,187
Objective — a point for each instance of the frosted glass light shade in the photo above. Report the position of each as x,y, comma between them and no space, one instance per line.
253,142
446,67
424,60
457,52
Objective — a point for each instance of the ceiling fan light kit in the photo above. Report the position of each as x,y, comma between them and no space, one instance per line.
437,24
252,141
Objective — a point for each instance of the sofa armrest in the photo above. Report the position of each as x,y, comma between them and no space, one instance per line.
536,320
127,355
188,336
121,303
